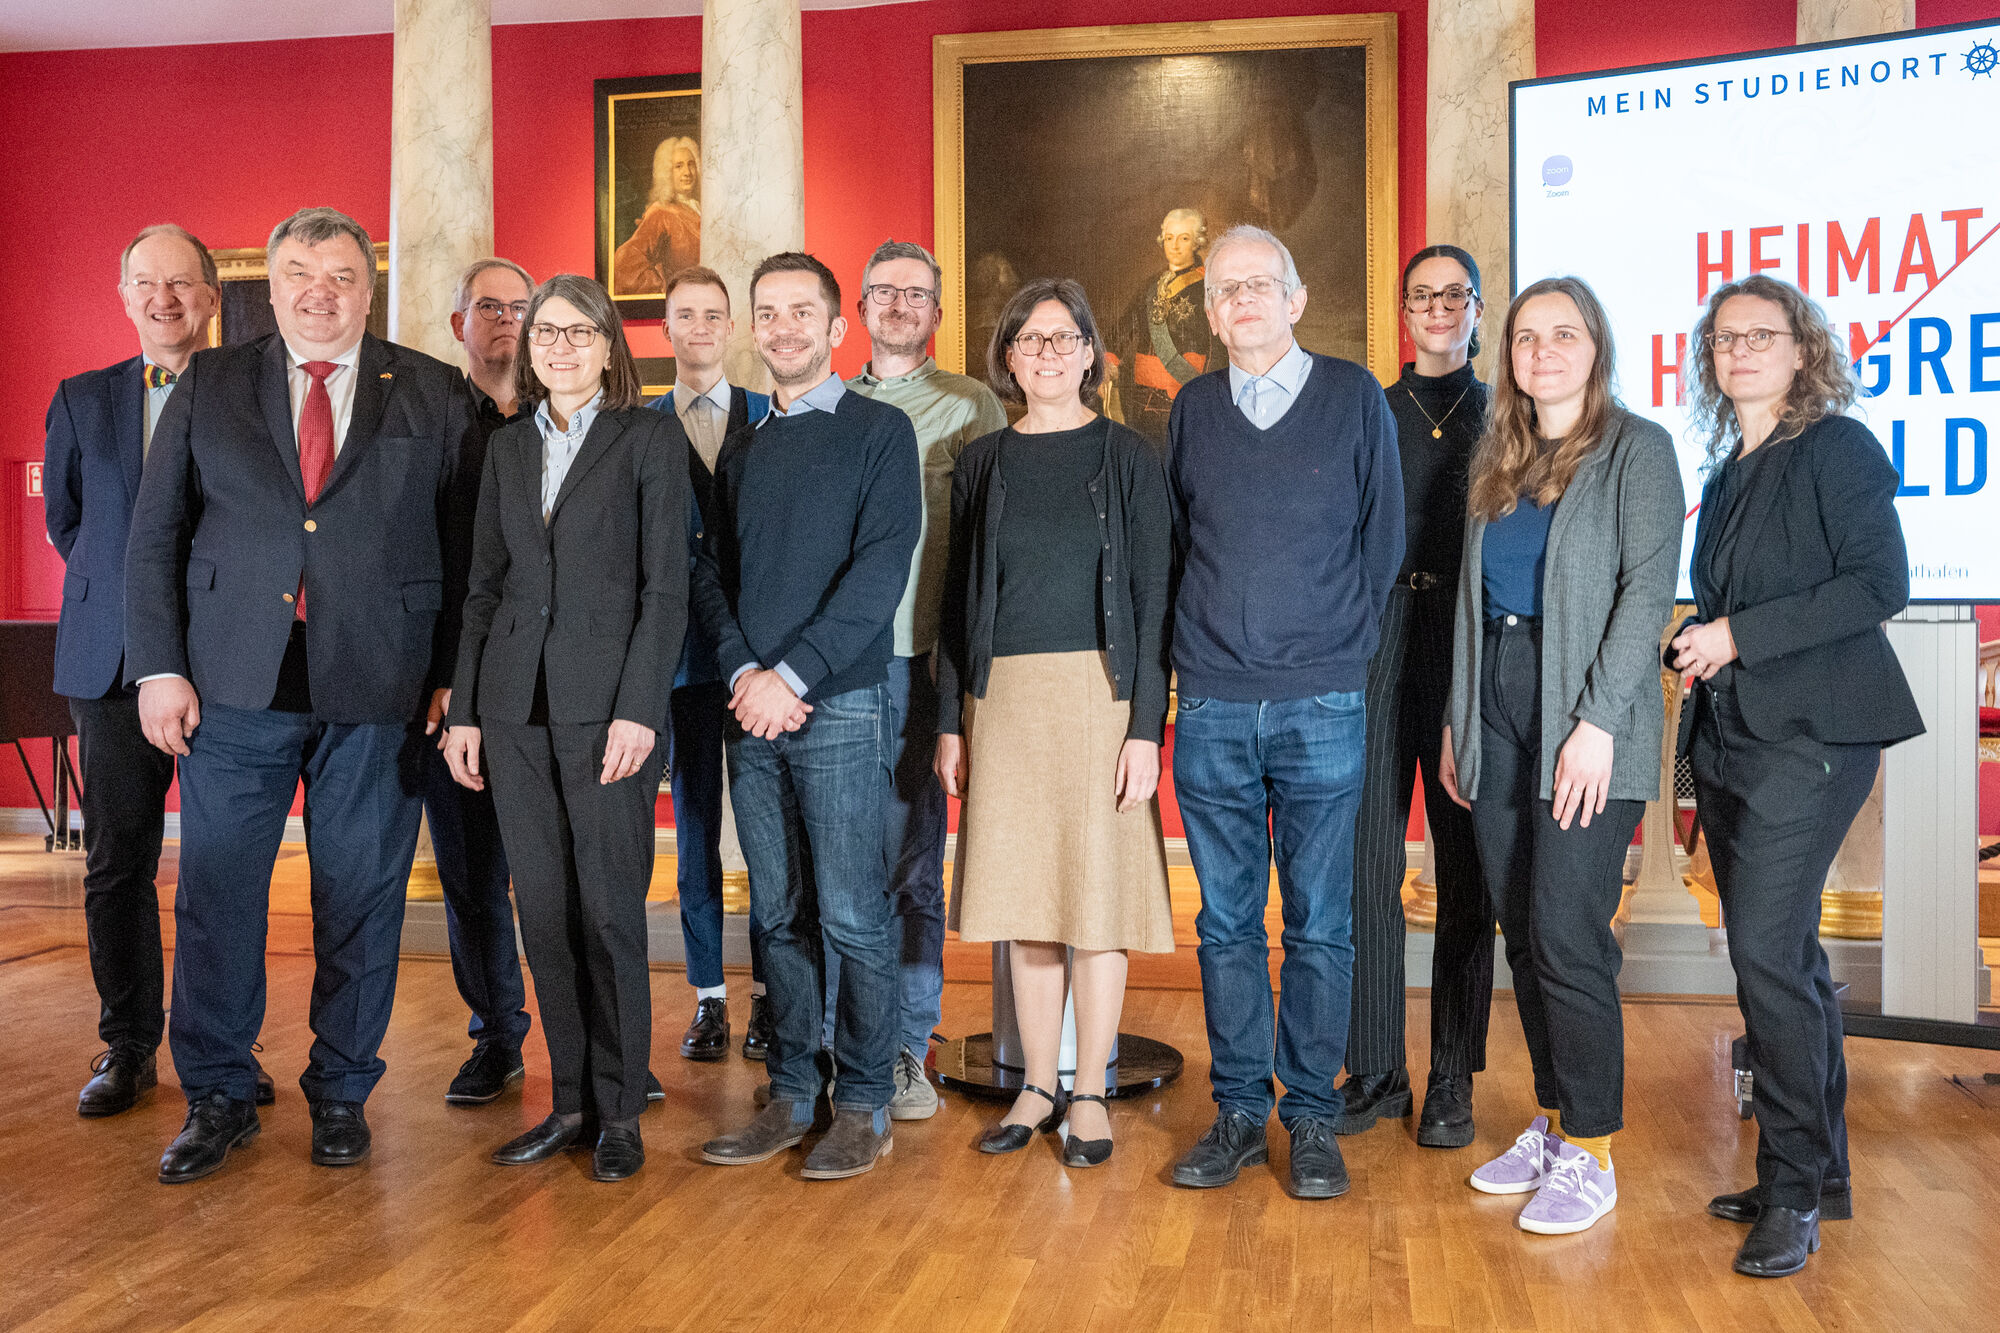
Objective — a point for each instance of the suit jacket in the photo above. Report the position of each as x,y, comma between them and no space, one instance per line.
1819,564
222,535
595,599
90,478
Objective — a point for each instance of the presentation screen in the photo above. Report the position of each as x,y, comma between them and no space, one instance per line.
1866,172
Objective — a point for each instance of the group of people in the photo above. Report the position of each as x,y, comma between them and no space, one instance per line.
513,596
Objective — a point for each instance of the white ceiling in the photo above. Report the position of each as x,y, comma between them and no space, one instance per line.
67,25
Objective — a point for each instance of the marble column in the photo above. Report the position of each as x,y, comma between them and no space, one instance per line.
1476,47
440,166
1834,20
752,152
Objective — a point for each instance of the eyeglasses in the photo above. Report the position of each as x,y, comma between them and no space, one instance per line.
1418,299
576,335
178,286
491,311
919,298
1065,342
1263,287
1758,340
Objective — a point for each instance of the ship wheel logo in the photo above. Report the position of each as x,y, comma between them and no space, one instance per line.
1981,59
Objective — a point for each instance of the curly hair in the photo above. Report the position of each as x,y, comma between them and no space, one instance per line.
1824,385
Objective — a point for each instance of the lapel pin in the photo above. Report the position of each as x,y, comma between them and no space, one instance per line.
388,375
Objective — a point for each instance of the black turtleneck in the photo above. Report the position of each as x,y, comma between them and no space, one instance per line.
1434,469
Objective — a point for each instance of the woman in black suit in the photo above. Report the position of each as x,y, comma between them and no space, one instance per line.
1798,560
573,622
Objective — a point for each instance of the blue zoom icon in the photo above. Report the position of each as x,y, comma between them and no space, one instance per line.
1557,170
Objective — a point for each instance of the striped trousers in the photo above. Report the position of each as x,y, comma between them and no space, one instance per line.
1407,683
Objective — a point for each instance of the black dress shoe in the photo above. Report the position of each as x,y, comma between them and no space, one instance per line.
118,1077
544,1141
757,1033
1087,1152
1372,1097
485,1074
1317,1169
619,1154
1447,1118
1013,1138
267,1091
1233,1142
214,1125
654,1092
1836,1203
707,1038
1778,1244
340,1134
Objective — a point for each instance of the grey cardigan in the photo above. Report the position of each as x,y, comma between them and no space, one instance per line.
1607,591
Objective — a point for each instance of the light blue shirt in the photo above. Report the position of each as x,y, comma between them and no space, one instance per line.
559,447
1265,398
156,403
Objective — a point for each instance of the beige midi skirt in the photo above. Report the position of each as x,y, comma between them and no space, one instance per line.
1043,852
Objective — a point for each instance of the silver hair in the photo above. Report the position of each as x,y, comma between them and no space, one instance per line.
889,250
172,229
1245,234
461,296
1200,229
316,226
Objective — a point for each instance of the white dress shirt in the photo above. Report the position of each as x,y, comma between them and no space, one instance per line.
339,389
1265,398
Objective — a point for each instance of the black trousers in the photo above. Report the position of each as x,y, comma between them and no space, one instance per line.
1407,683
582,857
124,800
1774,814
1555,890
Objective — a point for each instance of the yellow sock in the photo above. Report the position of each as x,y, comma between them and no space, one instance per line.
1598,1147
1555,1121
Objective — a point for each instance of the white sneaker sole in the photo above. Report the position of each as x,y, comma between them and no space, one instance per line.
1541,1228
1495,1187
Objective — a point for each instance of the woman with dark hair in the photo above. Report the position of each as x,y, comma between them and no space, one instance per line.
1440,408
1553,729
1052,681
573,623
1798,559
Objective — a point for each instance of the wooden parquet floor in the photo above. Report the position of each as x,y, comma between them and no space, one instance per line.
429,1235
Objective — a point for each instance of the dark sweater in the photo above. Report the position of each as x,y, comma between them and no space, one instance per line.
1435,468
1048,542
816,517
1289,538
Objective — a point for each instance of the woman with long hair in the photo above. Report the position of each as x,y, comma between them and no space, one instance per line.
1553,728
1798,559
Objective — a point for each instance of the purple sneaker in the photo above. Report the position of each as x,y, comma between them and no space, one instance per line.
1523,1167
1577,1193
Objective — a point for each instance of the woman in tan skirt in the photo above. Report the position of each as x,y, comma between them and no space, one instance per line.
1052,680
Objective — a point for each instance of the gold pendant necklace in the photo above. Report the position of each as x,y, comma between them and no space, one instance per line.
1437,423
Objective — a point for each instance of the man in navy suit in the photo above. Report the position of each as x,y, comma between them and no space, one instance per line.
99,427
291,561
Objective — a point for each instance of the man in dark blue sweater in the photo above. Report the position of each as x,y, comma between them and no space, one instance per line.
1288,522
817,513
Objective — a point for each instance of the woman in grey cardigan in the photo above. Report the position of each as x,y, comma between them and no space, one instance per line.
1553,728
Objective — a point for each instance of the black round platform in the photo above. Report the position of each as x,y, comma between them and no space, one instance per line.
966,1064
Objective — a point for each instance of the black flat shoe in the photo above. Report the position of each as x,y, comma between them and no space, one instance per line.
340,1134
707,1037
1836,1204
1087,1152
1233,1142
485,1074
1779,1243
215,1124
1317,1171
119,1077
619,1154
757,1032
1372,1097
542,1142
1013,1138
1446,1121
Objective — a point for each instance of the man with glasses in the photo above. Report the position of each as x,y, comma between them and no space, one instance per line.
1163,339
1286,566
899,307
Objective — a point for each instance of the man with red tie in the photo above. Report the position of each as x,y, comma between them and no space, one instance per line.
291,613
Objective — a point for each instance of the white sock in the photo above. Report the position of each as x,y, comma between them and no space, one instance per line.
756,988
710,993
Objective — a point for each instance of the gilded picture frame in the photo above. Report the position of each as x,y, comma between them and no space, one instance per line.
648,156
244,310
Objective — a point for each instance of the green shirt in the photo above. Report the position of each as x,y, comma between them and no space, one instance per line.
949,411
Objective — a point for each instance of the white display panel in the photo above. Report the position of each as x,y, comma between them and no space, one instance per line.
1867,172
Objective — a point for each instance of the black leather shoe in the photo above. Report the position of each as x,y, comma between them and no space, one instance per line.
1778,1244
1233,1142
707,1038
654,1092
1836,1204
1087,1152
340,1134
267,1091
1372,1097
118,1077
1447,1118
619,1155
214,1125
1317,1169
544,1141
757,1034
1013,1138
485,1074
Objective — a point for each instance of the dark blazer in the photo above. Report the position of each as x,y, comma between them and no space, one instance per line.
597,597
222,535
90,479
1819,565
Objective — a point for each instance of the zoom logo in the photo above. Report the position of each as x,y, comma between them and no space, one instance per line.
1556,172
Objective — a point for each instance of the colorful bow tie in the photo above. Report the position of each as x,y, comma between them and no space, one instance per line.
159,377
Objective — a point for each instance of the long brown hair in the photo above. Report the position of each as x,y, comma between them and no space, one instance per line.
1824,386
1511,459
621,373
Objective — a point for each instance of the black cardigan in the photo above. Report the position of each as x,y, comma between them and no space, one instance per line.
1135,527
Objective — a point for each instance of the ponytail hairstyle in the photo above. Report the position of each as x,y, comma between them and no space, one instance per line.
1464,261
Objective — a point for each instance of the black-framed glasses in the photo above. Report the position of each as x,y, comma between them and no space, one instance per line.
1263,287
1065,342
919,298
576,335
1455,297
1757,340
491,311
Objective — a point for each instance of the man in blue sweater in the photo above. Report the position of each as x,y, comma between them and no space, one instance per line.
1288,522
817,513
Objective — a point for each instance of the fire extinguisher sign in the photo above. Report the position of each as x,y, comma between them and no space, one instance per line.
34,480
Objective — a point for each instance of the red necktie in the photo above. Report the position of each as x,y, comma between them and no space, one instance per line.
315,445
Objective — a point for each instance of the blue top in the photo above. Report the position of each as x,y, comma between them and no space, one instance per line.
1511,559
1272,393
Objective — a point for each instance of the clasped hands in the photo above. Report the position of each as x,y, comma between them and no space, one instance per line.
1703,649
764,704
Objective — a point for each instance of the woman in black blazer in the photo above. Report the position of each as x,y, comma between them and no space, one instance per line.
576,606
1798,560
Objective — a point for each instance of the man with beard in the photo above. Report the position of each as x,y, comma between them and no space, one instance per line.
668,236
1163,339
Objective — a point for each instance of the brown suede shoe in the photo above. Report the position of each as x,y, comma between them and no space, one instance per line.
851,1146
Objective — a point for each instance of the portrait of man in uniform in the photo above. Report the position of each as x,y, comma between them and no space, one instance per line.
1162,339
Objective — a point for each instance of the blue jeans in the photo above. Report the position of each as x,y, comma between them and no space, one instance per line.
478,913
1244,772
809,814
695,739
913,828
